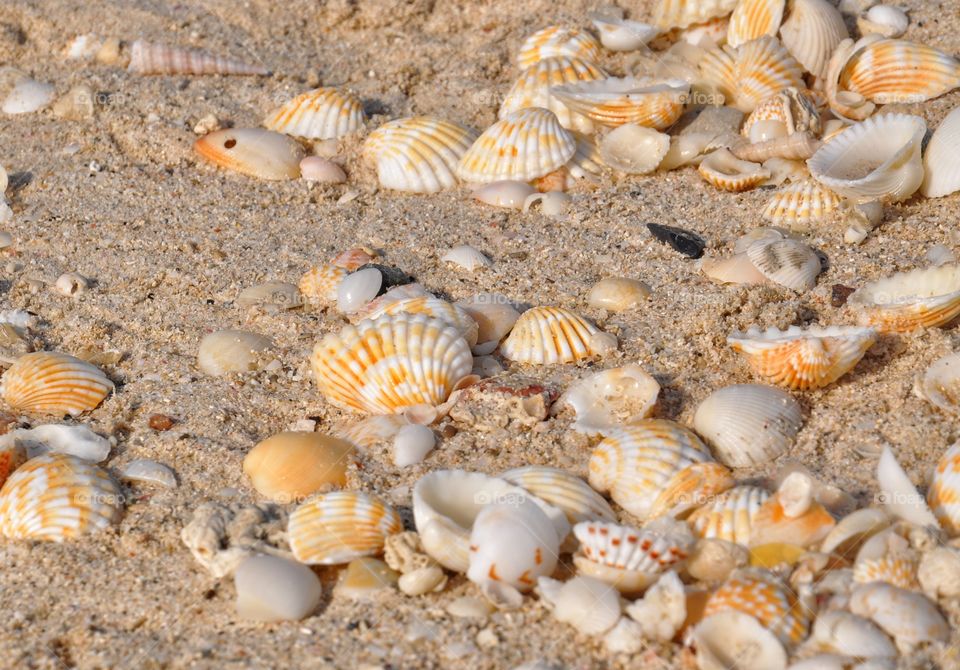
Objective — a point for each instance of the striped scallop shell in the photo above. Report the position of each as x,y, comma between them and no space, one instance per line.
897,569
730,516
532,89
48,382
631,549
556,41
812,32
751,73
252,151
941,161
899,71
669,14
151,58
56,496
527,144
801,204
549,335
786,262
906,301
320,283
645,101
940,384
727,172
418,154
636,462
944,494
339,527
761,595
803,358
754,18
320,114
392,363
435,308
562,490
692,487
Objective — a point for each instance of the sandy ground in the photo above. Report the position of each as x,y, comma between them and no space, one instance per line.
169,242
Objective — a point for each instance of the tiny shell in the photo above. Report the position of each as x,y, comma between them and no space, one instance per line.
760,594
315,168
563,490
411,444
151,58
466,257
634,149
669,14
71,284
941,163
556,41
277,293
339,527
48,382
28,95
252,151
727,172
754,18
898,494
795,108
532,89
885,20
940,385
736,269
288,467
908,617
730,516
923,298
812,32
732,639
786,262
587,604
149,472
898,71
606,400
225,351
622,35
270,588
320,283
801,205
944,493
853,529
423,580
358,288
617,294
645,101
549,335
506,193
320,114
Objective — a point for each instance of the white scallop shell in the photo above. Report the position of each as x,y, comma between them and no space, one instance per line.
435,308
634,149
801,205
941,162
812,32
532,89
786,262
730,515
320,114
226,351
940,384
606,400
562,490
643,550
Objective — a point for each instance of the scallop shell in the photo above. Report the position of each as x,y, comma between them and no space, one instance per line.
634,149
754,18
606,400
555,41
941,162
900,571
732,639
730,516
751,73
563,490
906,301
435,308
418,154
549,335
669,14
727,172
55,497
786,262
320,283
940,385
762,596
803,359
812,32
252,151
290,466
635,462
794,108
878,159
645,101
339,527
12,456
620,34
320,114
225,351
151,58
392,363
693,486
48,382
898,71
801,205
526,144
944,494
532,89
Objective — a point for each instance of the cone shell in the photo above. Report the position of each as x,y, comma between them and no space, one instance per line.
944,494
762,596
786,262
549,335
418,154
691,487
150,58
801,205
898,570
55,497
898,71
669,14
906,301
803,359
532,89
812,32
730,516
392,363
727,172
339,527
252,151
636,462
320,114
562,490
940,384
555,41
941,161
526,144
48,382
645,101
321,283
290,466
754,18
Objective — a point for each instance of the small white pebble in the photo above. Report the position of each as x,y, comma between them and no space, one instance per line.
315,168
487,639
412,444
270,588
207,125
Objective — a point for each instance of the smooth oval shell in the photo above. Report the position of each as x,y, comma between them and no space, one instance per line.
617,294
494,315
411,444
320,114
812,32
730,516
563,490
252,151
608,399
467,257
317,169
226,351
152,58
150,472
532,89
786,262
754,18
941,161
633,149
555,41
288,467
923,298
940,384
944,494
727,172
899,71
761,595
848,634
270,588
801,205
733,639
358,288
885,20
549,335
505,193
645,101
49,382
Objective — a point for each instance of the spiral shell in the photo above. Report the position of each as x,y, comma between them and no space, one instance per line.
944,494
563,490
151,58
754,18
906,301
669,14
549,335
812,32
555,41
898,71
646,101
320,114
801,205
48,382
761,595
533,89
727,172
252,151
730,516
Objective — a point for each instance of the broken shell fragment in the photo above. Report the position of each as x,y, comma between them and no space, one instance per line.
563,490
910,618
940,384
944,493
466,257
28,95
252,151
634,149
732,639
621,34
898,494
587,604
884,20
281,294
149,472
606,400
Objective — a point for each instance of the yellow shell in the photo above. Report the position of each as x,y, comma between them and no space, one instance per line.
891,71
290,466
320,283
897,569
751,73
548,335
669,14
906,301
730,516
645,101
801,204
392,363
944,493
754,18
320,114
532,89
339,527
727,172
760,594
48,382
556,41
56,496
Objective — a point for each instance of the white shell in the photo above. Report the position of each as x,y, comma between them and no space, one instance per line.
495,317
621,34
850,635
270,588
532,89
151,58
606,400
466,257
320,114
28,95
411,444
899,495
322,170
812,32
552,203
939,573
885,20
57,438
732,639
662,610
634,149
587,604
281,294
226,351
563,490
940,384
358,289
941,162
150,472
910,618
506,193
786,262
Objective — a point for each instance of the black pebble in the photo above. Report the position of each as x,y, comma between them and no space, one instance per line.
686,242
391,276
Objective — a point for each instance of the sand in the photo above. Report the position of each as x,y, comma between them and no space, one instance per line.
169,242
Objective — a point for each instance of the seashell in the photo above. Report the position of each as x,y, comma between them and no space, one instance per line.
748,424
713,560
923,298
146,471
906,616
732,639
553,203
320,114
494,316
798,146
669,14
372,430
853,529
883,20
48,382
466,257
943,494
532,89
422,581
730,516
56,496
555,41
662,610
803,359
271,588
522,146
278,293
940,385
339,527
151,58
392,295
563,490
77,441
320,283
606,400
801,205
226,351
898,494
691,487
685,150
507,193
734,270
355,258
754,18
549,335
812,32
791,516
783,170
786,262
635,462
12,456
850,635
939,573
419,154
792,107
761,595
940,162
28,95
645,101
898,71
634,149
898,570
288,467
252,151
751,73
435,308
358,288
315,168
411,444
878,159
727,172
585,603
618,34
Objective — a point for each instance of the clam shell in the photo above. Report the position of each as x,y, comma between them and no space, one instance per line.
28,95
252,151
906,301
908,617
801,205
812,32
730,516
736,269
762,596
692,487
48,382
803,358
532,89
358,289
606,400
418,154
940,385
645,101
786,262
621,34
635,462
549,335
271,588
55,496
727,172
152,58
435,308
288,467
754,18
143,470
524,145
944,494
878,159
320,114
732,639
634,149
941,162
563,490
225,351
669,14
505,193
898,71
320,283
555,41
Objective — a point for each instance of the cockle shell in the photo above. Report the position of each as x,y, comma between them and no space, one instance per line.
812,32
620,34
55,497
801,205
418,154
339,527
906,301
563,490
391,363
754,18
608,399
152,58
940,384
761,595
944,493
786,262
467,257
252,151
49,382
898,71
908,617
532,89
320,114
803,359
748,424
941,163
730,516
844,633
884,20
549,335
878,159
225,351
644,101
669,14
751,73
556,41
524,145
692,487
635,462
634,149
900,571
435,308
732,639
727,172
288,467
320,283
